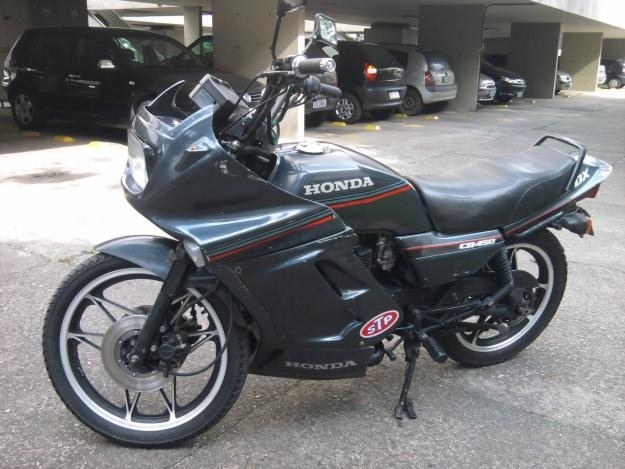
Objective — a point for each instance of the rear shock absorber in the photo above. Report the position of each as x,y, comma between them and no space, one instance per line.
503,274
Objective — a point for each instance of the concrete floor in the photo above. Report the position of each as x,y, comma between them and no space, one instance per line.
561,403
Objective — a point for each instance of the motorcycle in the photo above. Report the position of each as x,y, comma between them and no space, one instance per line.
304,260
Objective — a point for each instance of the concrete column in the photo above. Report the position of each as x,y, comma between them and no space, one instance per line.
534,55
613,49
581,54
456,32
192,24
396,33
242,31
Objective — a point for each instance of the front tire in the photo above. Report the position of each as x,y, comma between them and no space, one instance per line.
26,109
94,316
481,349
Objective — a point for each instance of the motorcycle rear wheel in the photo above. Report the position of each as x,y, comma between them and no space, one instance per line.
89,326
543,253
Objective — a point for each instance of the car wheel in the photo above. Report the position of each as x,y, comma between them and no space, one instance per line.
557,92
348,109
26,110
382,114
315,119
614,83
412,104
503,100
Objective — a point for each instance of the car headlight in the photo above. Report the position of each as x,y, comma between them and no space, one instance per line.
507,80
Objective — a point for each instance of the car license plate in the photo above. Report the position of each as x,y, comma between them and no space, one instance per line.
519,94
317,103
393,95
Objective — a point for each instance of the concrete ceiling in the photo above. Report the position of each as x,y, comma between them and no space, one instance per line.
497,19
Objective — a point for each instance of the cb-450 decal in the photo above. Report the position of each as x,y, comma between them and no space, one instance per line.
477,244
379,324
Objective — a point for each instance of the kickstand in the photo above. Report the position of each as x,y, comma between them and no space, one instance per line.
411,348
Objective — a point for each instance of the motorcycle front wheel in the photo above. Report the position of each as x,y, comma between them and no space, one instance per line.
91,324
542,256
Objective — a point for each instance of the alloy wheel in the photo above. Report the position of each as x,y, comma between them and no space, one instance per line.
23,109
345,109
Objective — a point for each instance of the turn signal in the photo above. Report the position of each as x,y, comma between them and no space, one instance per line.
371,72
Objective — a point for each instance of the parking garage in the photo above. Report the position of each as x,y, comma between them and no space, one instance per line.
559,403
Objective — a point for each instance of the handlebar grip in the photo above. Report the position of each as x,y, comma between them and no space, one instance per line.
330,91
303,66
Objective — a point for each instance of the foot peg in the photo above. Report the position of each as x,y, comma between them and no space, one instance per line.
434,349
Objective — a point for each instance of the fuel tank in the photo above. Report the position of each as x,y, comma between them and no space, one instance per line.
368,196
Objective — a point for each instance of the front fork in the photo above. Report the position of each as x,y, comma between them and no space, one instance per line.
148,337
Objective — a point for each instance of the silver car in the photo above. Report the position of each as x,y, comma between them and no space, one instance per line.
487,89
428,75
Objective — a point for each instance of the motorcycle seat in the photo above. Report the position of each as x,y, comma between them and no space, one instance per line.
491,193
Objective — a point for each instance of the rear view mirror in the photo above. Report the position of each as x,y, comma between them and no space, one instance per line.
325,30
287,6
106,64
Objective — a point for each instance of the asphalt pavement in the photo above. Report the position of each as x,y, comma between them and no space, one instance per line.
560,403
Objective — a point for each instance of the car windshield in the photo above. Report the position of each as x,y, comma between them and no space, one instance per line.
143,50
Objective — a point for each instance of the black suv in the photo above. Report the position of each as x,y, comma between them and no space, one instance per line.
615,72
101,74
371,80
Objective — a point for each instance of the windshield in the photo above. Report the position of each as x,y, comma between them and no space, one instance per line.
143,50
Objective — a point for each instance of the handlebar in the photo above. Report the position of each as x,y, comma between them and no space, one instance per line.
303,66
314,86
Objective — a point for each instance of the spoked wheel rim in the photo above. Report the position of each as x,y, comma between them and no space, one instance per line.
537,299
345,109
613,83
23,108
409,103
124,408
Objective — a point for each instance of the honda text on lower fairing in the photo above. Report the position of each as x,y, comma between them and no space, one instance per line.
304,260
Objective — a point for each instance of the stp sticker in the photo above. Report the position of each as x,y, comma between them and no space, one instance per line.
379,324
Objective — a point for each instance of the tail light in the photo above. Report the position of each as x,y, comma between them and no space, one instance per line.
429,79
371,72
592,193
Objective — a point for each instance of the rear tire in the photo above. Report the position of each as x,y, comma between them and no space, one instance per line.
27,111
412,103
614,83
348,109
502,347
73,378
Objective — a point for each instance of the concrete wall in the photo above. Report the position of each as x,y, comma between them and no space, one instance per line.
192,24
580,57
456,32
243,31
534,55
391,33
48,13
497,45
613,49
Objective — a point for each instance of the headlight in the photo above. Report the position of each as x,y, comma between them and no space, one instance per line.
507,80
136,161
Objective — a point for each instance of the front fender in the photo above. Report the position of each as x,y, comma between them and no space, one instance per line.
153,253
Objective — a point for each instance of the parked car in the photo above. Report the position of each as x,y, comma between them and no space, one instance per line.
563,81
317,109
99,74
428,76
615,72
509,84
487,89
601,75
371,80
203,48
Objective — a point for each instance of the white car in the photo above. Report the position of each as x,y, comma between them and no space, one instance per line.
429,77
487,89
601,76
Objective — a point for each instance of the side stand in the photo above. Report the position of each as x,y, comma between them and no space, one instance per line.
411,349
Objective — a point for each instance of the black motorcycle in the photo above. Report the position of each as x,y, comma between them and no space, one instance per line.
306,260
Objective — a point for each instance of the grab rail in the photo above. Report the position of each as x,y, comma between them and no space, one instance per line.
580,159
